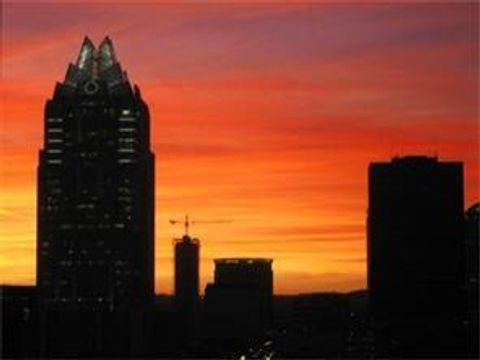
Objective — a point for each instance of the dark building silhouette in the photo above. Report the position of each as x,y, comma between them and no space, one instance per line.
238,305
249,272
415,251
187,252
322,326
472,249
95,246
19,321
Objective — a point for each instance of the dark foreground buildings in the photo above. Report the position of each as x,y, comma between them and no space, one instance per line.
472,252
416,264
238,305
19,321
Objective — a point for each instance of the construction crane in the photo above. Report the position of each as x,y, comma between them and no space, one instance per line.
187,222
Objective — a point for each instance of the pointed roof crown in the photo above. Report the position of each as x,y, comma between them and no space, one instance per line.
106,54
86,54
96,63
96,60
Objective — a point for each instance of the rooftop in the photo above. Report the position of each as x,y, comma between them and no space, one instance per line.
243,261
96,63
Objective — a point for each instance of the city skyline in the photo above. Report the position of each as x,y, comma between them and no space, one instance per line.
282,150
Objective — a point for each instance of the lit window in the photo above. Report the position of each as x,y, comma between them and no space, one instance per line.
126,112
54,120
85,206
127,130
126,161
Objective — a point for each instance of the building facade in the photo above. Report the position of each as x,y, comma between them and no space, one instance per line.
95,211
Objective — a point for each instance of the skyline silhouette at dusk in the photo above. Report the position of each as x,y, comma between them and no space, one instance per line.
265,115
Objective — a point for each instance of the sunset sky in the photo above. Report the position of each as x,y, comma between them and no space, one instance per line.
265,114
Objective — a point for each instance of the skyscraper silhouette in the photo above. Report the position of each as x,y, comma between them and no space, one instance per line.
415,232
415,252
95,245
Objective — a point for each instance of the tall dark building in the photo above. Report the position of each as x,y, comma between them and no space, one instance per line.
187,252
415,232
95,245
415,256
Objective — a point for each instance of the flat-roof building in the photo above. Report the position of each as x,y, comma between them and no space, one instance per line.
238,304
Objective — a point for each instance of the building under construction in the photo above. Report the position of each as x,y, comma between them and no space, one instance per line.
187,254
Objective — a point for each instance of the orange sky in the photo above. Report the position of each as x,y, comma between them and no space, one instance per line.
266,115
